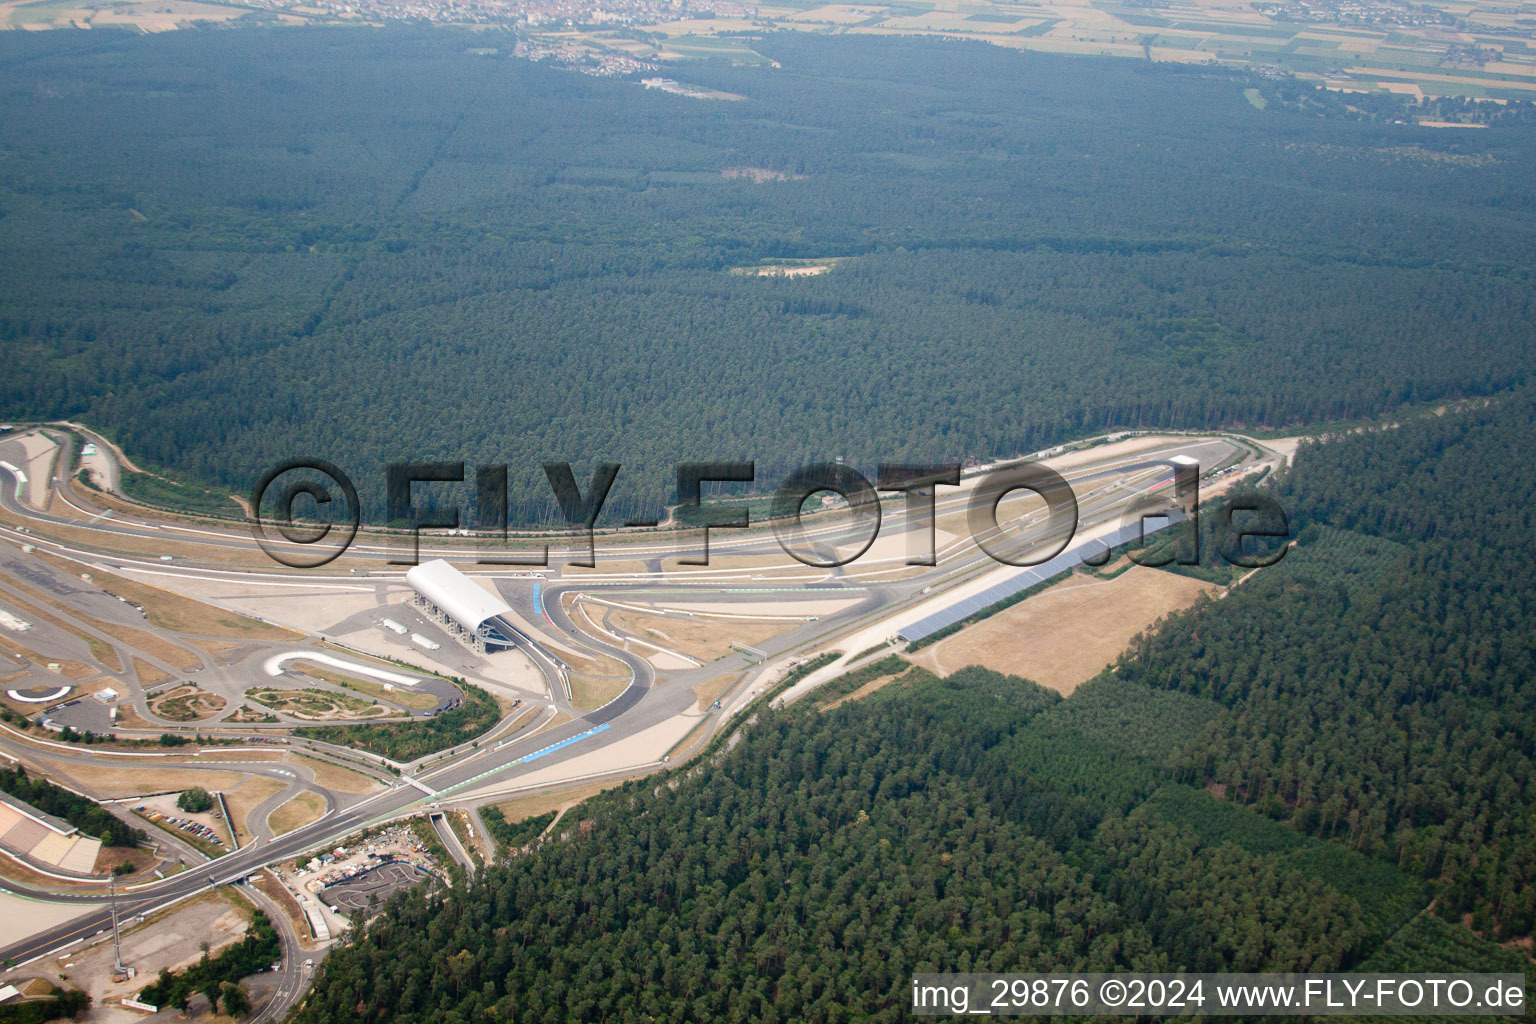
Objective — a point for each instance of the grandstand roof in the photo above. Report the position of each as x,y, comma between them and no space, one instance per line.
464,600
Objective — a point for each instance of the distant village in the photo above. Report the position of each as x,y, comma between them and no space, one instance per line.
548,14
1372,13
601,63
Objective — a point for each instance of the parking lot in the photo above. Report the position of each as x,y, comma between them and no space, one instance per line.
161,810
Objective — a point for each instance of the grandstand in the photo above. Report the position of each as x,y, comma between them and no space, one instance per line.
41,840
464,608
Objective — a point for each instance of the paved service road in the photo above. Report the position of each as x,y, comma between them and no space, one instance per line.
293,979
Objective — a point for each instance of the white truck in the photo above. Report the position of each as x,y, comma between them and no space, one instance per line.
421,641
393,626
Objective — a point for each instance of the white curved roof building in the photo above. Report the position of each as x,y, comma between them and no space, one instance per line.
462,600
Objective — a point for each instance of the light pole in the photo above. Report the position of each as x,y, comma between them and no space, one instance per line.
117,949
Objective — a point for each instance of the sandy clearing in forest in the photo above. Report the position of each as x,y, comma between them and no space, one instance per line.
1284,445
884,630
809,270
1068,634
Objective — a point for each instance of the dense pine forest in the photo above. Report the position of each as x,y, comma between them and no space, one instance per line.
230,248
1330,768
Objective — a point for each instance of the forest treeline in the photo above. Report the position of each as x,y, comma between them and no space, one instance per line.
1324,771
1384,674
230,249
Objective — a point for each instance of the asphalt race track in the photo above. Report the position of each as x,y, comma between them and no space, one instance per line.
875,596
363,892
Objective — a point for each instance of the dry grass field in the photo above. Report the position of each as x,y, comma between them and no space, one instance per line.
336,778
180,614
705,639
1068,634
606,566
67,668
245,798
718,561
867,689
296,813
225,652
149,675
129,718
110,543
588,693
125,781
144,15
152,645
716,688
598,665
542,803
